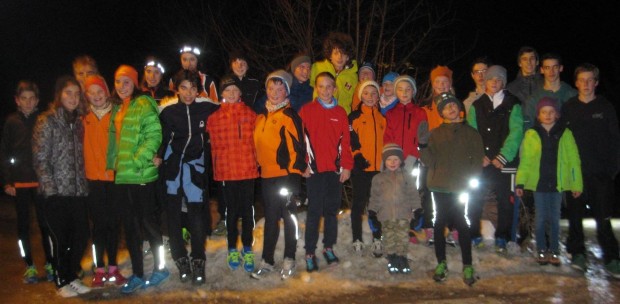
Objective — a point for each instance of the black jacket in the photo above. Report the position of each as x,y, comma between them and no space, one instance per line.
16,149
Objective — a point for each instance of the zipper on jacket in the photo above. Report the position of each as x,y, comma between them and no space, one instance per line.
189,125
374,123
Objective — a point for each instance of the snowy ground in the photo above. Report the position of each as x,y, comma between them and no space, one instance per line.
357,279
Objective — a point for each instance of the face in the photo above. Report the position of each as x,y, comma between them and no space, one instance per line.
547,115
82,71
239,67
478,72
551,69
451,112
231,94
26,102
366,74
96,95
493,85
276,92
302,72
189,61
392,163
586,83
528,63
441,84
339,59
124,86
370,96
388,88
152,75
404,92
325,87
187,92
70,97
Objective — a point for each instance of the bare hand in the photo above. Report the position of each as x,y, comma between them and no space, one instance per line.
10,190
497,164
157,161
486,161
344,175
306,173
576,194
519,192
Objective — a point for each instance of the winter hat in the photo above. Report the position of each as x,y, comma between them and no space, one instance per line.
391,76
392,149
367,65
441,70
299,59
286,78
128,71
496,71
227,81
444,99
365,84
408,79
96,80
547,102
154,62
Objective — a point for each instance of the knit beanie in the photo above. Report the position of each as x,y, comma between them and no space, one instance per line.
365,84
286,78
128,71
443,99
391,76
96,80
227,81
441,70
299,60
547,102
496,71
392,149
408,79
367,65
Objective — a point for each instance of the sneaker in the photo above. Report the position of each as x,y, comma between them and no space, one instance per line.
404,265
220,230
115,277
468,275
500,247
441,272
311,263
99,278
358,246
49,271
30,276
133,283
477,242
263,270
185,269
377,248
79,287
66,292
248,261
554,259
330,256
198,272
578,262
288,268
541,258
233,259
157,278
392,265
613,268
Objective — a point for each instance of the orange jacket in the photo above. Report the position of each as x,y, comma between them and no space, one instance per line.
432,114
96,147
280,144
367,126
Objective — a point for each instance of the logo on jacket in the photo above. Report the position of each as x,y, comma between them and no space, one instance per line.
597,116
202,124
347,86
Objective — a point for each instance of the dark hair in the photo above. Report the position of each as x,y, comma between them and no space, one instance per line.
192,76
481,59
587,67
526,49
27,86
85,60
325,74
154,59
61,84
551,56
338,40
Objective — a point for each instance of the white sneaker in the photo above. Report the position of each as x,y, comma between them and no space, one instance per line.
288,268
263,270
358,246
79,287
377,248
67,292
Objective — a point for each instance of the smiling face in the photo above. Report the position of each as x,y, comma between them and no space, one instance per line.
302,72
96,96
325,87
231,94
528,63
366,74
152,76
239,67
441,84
124,86
338,59
392,163
189,61
81,71
26,102
70,97
370,96
187,92
388,89
276,92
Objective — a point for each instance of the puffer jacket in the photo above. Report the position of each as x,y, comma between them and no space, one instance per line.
393,195
57,154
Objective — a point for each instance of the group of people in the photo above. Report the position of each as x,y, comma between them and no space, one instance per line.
417,167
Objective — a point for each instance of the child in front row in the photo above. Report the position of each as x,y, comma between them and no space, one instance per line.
550,164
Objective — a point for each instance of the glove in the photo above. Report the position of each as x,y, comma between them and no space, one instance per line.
423,134
359,162
417,220
373,222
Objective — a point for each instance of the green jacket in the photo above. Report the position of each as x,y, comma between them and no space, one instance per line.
346,81
568,166
140,137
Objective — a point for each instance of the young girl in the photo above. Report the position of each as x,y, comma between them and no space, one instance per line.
102,199
549,165
135,136
151,81
59,164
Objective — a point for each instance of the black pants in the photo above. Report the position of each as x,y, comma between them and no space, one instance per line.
449,211
361,181
194,223
324,199
67,220
425,197
239,199
103,206
139,215
276,209
24,197
598,194
500,183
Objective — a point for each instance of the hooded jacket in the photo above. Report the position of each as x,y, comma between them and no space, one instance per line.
393,195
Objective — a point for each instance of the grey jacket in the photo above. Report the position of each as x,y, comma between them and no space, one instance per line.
394,195
58,155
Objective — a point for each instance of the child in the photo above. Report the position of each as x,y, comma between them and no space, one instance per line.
183,156
329,165
231,131
281,153
151,81
367,126
365,72
388,97
393,198
549,165
18,177
301,91
102,201
59,164
250,87
84,66
454,157
189,61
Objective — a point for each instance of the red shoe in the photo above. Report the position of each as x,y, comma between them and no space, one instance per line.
115,277
99,278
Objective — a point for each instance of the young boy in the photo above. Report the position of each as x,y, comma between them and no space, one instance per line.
478,69
231,130
549,165
388,97
250,87
366,72
301,91
329,165
18,176
528,79
454,157
189,61
393,198
594,123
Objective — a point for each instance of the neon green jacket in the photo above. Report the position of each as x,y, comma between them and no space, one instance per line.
346,81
